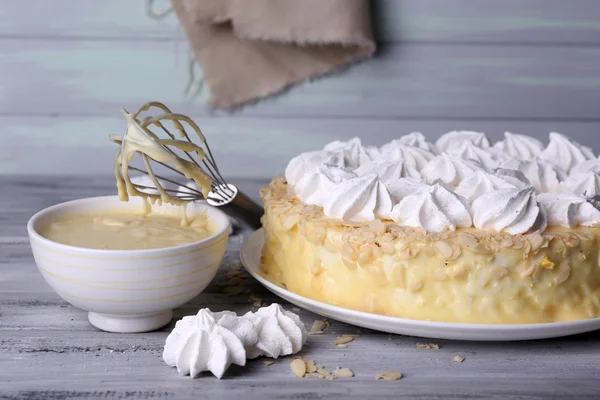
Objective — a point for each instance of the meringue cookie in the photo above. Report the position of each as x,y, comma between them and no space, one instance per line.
565,153
308,163
199,343
314,188
414,139
585,184
449,169
352,152
453,139
481,183
515,211
388,172
280,332
519,147
436,209
569,209
414,157
360,199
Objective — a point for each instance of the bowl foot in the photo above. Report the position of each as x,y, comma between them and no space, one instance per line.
134,323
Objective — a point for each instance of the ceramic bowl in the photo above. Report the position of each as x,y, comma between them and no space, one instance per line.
126,290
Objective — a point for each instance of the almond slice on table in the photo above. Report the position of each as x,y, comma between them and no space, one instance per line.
389,376
298,367
343,372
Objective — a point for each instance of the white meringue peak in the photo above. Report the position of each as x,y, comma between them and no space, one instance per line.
569,209
387,171
280,332
566,153
352,152
513,176
414,157
359,200
515,211
587,166
307,163
414,139
213,341
405,187
357,183
200,343
453,139
544,176
468,151
314,188
482,182
585,184
449,169
436,210
519,147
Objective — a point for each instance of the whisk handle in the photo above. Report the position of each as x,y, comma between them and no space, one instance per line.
245,209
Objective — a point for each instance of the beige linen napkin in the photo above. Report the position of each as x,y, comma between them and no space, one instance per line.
250,49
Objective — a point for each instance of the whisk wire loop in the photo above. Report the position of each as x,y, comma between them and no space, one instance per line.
197,165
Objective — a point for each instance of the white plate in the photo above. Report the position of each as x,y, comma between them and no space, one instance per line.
251,254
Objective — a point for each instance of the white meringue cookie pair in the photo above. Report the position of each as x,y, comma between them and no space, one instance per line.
213,341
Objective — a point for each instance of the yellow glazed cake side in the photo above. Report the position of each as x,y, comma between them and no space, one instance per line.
468,275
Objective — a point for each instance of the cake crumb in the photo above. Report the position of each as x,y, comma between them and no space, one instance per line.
389,376
342,345
458,358
268,363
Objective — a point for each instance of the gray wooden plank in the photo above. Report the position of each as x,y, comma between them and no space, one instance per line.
443,21
49,351
243,146
490,21
411,81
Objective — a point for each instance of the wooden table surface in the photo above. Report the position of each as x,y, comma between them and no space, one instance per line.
48,350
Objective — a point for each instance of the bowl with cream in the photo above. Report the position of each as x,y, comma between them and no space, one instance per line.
125,263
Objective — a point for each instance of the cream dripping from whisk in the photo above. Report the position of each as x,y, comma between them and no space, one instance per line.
139,139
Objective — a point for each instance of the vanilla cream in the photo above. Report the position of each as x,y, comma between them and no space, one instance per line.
128,229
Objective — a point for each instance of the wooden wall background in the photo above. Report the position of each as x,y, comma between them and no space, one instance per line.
66,66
